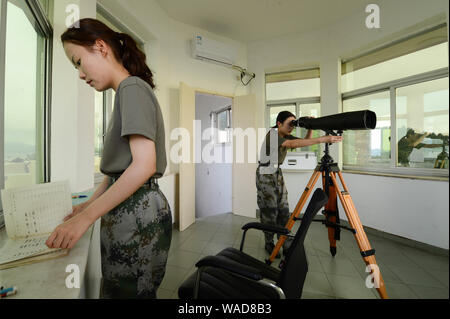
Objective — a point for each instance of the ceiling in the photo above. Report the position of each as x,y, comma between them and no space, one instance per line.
252,20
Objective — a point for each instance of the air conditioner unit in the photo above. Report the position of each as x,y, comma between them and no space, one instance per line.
212,51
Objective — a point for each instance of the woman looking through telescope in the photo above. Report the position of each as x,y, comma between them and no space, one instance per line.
271,190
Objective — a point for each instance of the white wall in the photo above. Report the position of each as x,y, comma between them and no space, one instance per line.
72,114
213,181
427,200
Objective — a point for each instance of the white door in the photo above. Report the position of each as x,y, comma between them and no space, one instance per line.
244,186
187,170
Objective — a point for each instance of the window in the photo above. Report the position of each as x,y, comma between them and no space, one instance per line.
221,124
24,94
406,85
369,147
297,92
422,120
104,101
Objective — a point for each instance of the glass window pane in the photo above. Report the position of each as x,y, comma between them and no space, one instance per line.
311,110
422,125
369,147
222,120
222,126
23,100
292,89
425,60
98,130
274,110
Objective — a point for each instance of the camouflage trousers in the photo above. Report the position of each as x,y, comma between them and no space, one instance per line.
272,201
135,240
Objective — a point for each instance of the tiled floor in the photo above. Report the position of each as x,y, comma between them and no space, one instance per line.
408,272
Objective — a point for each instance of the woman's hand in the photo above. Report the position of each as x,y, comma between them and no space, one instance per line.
331,139
76,210
67,234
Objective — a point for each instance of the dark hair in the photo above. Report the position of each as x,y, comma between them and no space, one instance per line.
86,31
410,132
282,116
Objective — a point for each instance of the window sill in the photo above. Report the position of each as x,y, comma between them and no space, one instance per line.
396,175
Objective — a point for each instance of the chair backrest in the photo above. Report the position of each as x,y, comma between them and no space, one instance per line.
295,266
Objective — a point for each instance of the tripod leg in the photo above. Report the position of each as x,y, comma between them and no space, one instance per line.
331,213
298,208
361,238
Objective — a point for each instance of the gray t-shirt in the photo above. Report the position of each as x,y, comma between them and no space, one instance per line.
269,151
136,111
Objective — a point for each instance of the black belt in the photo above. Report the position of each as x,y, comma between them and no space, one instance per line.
268,164
150,182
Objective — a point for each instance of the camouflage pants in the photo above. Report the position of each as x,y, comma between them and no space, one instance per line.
272,202
135,240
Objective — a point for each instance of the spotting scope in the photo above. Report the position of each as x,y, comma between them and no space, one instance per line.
357,120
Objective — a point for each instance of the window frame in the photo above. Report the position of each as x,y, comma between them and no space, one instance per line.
214,117
44,25
392,87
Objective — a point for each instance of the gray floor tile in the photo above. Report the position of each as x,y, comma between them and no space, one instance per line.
164,293
430,292
397,260
339,266
399,291
173,278
314,264
214,248
350,287
194,245
310,295
416,276
317,283
386,273
442,276
202,235
183,259
429,261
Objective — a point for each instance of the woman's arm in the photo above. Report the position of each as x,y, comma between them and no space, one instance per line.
99,191
308,134
142,167
311,141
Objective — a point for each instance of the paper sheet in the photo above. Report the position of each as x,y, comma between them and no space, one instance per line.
37,209
31,214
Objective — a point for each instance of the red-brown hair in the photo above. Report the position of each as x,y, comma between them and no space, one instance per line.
86,31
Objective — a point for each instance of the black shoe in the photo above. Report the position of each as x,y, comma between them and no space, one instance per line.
269,248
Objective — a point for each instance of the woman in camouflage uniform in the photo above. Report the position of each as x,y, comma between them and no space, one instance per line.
271,190
136,221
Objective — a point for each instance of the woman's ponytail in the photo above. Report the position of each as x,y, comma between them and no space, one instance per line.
123,46
133,59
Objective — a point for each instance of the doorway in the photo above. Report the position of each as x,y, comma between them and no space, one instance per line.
213,174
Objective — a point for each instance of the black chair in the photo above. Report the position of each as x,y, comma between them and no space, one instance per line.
234,274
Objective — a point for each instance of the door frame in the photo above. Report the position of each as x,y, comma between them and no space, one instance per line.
183,226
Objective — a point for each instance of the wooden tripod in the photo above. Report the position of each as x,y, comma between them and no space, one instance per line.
328,169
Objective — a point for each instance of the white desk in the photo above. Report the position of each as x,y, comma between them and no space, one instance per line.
47,279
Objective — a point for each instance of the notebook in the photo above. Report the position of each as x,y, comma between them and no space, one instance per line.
31,214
